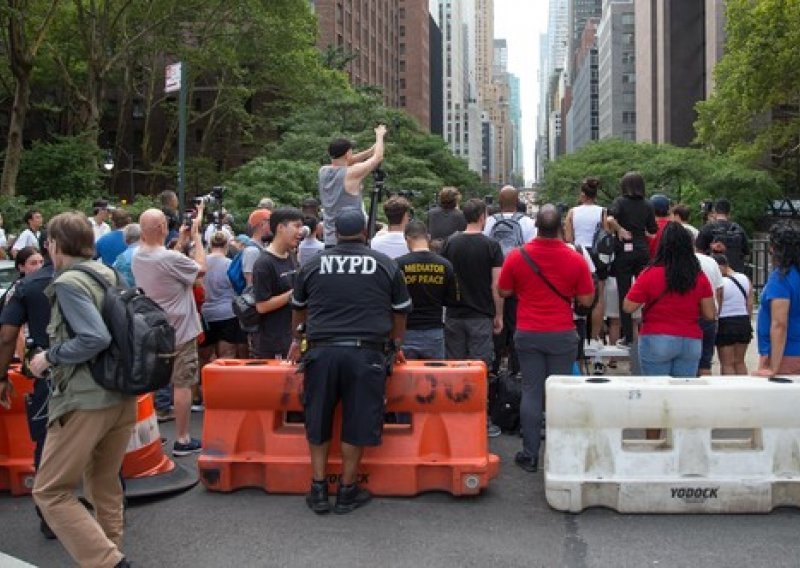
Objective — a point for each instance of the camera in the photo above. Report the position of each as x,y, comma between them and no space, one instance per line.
188,217
214,197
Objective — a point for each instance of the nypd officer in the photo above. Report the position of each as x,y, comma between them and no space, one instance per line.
351,302
28,305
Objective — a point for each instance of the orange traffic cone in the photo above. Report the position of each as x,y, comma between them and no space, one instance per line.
146,469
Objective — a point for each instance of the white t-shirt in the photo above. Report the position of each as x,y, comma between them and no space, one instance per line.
525,223
27,238
734,302
710,268
99,229
584,223
390,243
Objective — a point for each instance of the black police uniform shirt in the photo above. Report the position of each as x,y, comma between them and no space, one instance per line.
473,255
432,284
29,305
350,292
273,276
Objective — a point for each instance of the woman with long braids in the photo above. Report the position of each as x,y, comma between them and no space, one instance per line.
674,294
779,310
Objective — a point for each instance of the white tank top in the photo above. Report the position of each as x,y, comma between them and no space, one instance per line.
584,222
733,301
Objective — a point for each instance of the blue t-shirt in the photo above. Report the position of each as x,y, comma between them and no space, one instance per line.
780,287
110,246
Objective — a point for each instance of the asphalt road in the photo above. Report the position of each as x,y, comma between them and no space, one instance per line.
509,525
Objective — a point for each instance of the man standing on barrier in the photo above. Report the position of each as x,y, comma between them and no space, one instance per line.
340,182
351,302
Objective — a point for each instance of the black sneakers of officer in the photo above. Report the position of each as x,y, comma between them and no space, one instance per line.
350,497
317,498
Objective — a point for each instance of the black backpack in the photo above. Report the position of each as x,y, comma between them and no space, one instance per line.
603,246
508,232
504,406
142,350
730,235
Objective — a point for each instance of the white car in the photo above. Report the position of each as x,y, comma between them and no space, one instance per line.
7,275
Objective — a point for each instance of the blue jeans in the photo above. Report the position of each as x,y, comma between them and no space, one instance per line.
424,344
163,398
669,355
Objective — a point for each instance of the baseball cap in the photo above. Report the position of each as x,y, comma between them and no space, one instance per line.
259,216
350,222
660,204
100,204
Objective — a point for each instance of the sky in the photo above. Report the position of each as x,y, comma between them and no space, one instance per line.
520,22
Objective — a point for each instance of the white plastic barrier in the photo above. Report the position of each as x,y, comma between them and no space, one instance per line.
725,444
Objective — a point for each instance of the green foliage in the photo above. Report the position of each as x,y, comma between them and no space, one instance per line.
68,168
684,175
753,111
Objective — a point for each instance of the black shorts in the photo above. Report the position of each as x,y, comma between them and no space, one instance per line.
355,376
227,330
733,330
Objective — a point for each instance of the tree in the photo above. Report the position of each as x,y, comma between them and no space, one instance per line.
684,175
754,111
27,24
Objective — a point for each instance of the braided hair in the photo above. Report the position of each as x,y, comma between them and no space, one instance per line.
784,240
676,254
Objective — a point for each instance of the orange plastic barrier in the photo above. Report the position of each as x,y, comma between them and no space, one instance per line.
16,447
146,469
247,441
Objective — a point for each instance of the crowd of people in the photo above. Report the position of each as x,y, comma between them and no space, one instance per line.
528,296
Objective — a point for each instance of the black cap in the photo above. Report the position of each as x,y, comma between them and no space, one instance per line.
100,204
350,222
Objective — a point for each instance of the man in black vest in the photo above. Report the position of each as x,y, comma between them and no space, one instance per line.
351,302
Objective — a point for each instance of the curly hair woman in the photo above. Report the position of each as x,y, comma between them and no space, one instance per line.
779,310
675,294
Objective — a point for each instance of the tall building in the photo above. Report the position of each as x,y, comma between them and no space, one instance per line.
678,43
456,82
390,42
583,116
578,13
414,84
617,70
541,110
436,79
515,113
484,47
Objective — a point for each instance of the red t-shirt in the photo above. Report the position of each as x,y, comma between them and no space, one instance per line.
673,314
539,308
652,242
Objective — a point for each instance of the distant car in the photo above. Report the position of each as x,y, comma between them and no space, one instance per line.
7,275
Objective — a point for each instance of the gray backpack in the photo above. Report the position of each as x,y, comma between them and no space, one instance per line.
508,232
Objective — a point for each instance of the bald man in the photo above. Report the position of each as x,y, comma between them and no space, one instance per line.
167,276
508,199
509,217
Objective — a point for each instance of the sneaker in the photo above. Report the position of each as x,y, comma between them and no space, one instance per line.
163,441
623,344
526,462
198,407
165,415
184,449
350,497
599,369
594,345
317,498
493,430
